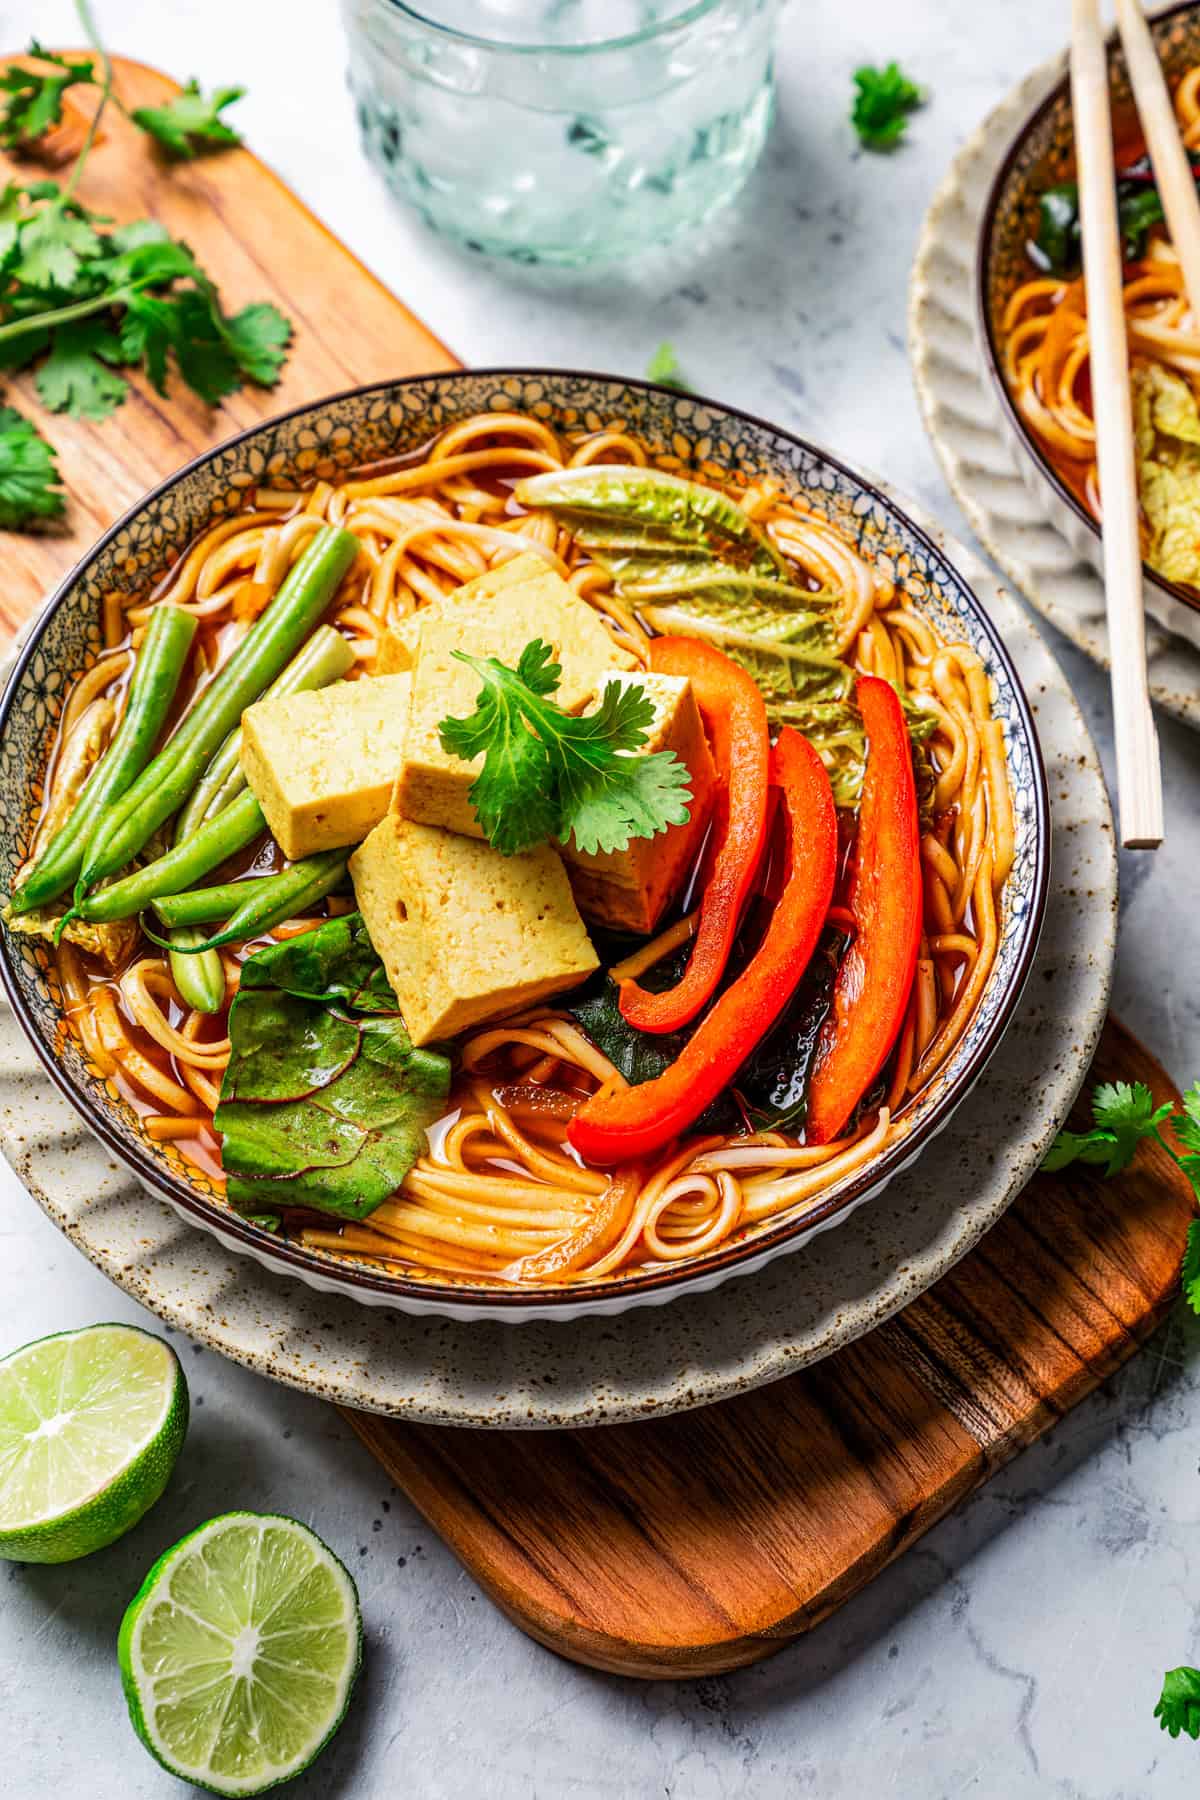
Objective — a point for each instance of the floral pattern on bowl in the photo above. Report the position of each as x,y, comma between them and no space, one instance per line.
330,436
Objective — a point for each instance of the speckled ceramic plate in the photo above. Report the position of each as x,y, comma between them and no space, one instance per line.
1002,489
357,427
704,1347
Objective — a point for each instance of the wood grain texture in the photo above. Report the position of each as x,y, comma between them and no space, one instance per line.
258,242
699,1543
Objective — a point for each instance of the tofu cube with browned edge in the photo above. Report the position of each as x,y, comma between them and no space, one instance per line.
464,933
322,765
629,889
475,599
433,784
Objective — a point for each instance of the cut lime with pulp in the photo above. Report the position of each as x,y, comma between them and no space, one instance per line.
239,1653
91,1423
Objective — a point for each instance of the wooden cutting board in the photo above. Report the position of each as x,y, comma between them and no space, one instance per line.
694,1544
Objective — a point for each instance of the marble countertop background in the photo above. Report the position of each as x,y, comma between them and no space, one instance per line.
1018,1650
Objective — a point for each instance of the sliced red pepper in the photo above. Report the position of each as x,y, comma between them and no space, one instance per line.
638,1120
870,995
735,721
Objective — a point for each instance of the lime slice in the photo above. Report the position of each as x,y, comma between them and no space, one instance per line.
91,1423
239,1653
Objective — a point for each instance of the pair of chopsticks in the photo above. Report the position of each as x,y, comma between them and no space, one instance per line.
1139,775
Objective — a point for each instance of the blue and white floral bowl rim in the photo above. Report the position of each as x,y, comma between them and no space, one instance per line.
360,425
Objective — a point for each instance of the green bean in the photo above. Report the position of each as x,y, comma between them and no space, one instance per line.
200,979
156,672
214,843
204,906
325,658
166,784
278,898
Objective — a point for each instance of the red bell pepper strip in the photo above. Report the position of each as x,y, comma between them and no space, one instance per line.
874,981
735,721
638,1120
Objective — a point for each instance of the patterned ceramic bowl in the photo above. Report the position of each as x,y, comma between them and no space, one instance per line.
369,423
1040,155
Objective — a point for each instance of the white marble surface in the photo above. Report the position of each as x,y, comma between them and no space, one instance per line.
1017,1652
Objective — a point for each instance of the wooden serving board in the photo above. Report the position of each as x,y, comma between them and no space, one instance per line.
694,1544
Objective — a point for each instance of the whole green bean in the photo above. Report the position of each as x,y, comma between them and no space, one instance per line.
214,843
156,671
204,906
279,898
166,783
325,658
200,979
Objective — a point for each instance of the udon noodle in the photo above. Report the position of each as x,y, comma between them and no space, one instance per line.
499,1195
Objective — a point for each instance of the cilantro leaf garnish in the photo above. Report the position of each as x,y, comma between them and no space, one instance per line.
191,123
1178,1707
664,367
29,479
33,101
882,103
548,774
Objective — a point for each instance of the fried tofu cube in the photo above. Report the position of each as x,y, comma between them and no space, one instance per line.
322,765
629,889
464,933
476,599
433,784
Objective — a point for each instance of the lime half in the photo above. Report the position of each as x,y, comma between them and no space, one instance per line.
239,1653
91,1423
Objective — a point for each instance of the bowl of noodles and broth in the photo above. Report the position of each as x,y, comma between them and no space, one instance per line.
496,1216
1032,322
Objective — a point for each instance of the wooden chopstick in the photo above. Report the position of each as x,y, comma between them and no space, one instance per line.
1139,776
1169,159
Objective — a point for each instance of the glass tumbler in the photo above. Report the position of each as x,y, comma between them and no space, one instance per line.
563,131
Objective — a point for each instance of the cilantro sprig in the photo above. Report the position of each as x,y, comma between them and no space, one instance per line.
33,99
882,102
29,479
1178,1708
192,122
548,774
665,368
1125,1116
83,300
32,105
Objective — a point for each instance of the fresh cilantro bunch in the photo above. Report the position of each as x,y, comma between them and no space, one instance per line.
1178,1706
84,300
548,774
882,102
83,303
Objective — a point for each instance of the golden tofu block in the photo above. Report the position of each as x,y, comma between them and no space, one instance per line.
475,599
629,889
322,765
433,785
464,933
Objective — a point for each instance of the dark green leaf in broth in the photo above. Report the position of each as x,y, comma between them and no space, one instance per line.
1057,245
325,1103
770,1090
